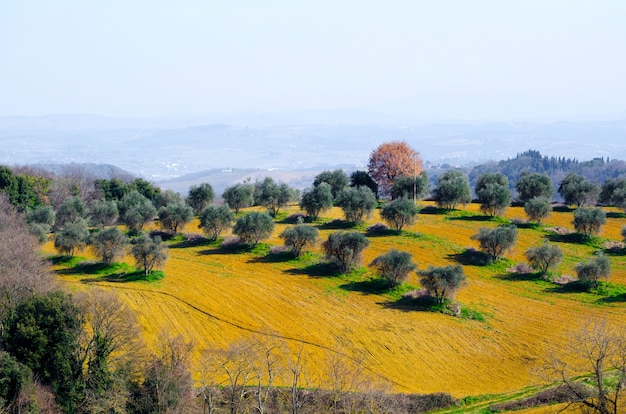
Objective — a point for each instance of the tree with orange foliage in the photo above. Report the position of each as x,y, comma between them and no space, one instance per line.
392,160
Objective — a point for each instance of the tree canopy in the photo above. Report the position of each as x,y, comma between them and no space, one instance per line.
200,196
299,236
532,185
394,266
496,241
391,160
452,189
442,282
363,179
216,219
399,213
239,196
356,203
345,249
544,257
405,186
337,179
317,199
492,190
577,190
589,221
253,227
537,208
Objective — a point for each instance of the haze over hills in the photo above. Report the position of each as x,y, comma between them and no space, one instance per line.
169,148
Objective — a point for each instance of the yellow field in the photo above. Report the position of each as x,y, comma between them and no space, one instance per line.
215,298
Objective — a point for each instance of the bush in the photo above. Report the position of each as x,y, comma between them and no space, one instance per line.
344,249
394,266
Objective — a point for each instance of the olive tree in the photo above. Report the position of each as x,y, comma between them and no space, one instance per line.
253,227
614,192
452,189
590,271
317,199
136,210
623,233
544,257
200,196
344,249
337,179
589,221
363,179
148,252
174,217
496,241
399,213
72,209
577,190
299,236
109,244
410,187
492,190
71,237
356,203
531,185
273,196
104,213
394,266
239,196
216,219
442,282
537,208
40,221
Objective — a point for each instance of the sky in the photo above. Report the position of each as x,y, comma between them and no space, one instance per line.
433,60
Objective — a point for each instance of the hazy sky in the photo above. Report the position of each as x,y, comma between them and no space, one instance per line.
435,59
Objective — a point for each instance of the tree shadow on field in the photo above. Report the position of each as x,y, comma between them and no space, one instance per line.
89,268
337,224
574,286
315,270
373,286
230,249
621,297
423,303
470,257
475,217
193,242
561,208
615,214
279,257
136,276
520,277
575,238
433,210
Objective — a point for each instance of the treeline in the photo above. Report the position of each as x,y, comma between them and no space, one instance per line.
597,170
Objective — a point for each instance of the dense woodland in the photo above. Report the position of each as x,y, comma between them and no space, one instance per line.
82,353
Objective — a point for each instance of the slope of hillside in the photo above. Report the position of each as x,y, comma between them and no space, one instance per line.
215,297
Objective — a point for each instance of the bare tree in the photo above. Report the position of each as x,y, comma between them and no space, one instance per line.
602,348
300,380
